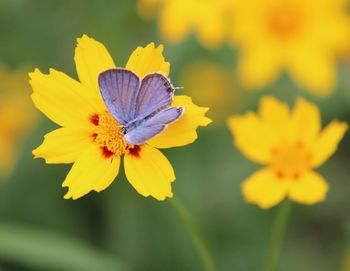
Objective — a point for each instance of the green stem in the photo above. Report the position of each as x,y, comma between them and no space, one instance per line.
277,236
197,237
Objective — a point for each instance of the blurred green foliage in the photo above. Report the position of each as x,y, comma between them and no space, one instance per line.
39,230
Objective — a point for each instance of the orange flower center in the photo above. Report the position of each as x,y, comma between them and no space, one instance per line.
291,160
285,21
109,136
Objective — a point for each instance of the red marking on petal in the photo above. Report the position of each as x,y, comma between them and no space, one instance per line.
106,152
274,151
308,158
300,145
135,151
95,119
280,175
94,135
296,175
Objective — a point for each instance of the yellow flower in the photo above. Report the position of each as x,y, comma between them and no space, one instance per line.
210,85
178,18
290,144
301,37
16,117
91,138
347,261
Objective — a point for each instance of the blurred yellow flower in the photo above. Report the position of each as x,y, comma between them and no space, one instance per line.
92,139
210,85
17,116
346,266
208,19
301,37
290,144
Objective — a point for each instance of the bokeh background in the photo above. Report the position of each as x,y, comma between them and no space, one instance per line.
118,229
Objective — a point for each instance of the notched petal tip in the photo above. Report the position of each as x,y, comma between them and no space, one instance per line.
151,45
205,121
148,59
37,73
70,195
83,38
32,74
35,155
159,197
160,47
67,195
165,197
91,58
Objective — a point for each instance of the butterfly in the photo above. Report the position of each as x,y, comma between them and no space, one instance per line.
141,106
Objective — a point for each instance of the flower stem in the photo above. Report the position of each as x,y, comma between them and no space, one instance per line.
196,235
277,236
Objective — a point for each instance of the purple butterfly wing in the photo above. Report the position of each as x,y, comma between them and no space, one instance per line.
141,106
119,89
153,125
155,94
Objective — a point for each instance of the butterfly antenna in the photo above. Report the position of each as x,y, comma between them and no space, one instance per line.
178,88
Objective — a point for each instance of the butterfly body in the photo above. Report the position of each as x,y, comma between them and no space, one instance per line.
142,106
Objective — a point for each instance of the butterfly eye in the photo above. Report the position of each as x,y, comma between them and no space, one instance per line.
123,130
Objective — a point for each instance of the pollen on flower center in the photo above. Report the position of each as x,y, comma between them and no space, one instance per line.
108,135
291,160
284,21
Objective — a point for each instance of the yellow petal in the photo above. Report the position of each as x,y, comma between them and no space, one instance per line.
145,60
147,8
61,98
211,24
310,188
201,78
306,121
17,117
264,188
175,28
253,137
183,131
63,145
273,110
91,58
275,113
92,171
258,66
8,156
150,173
327,142
314,71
